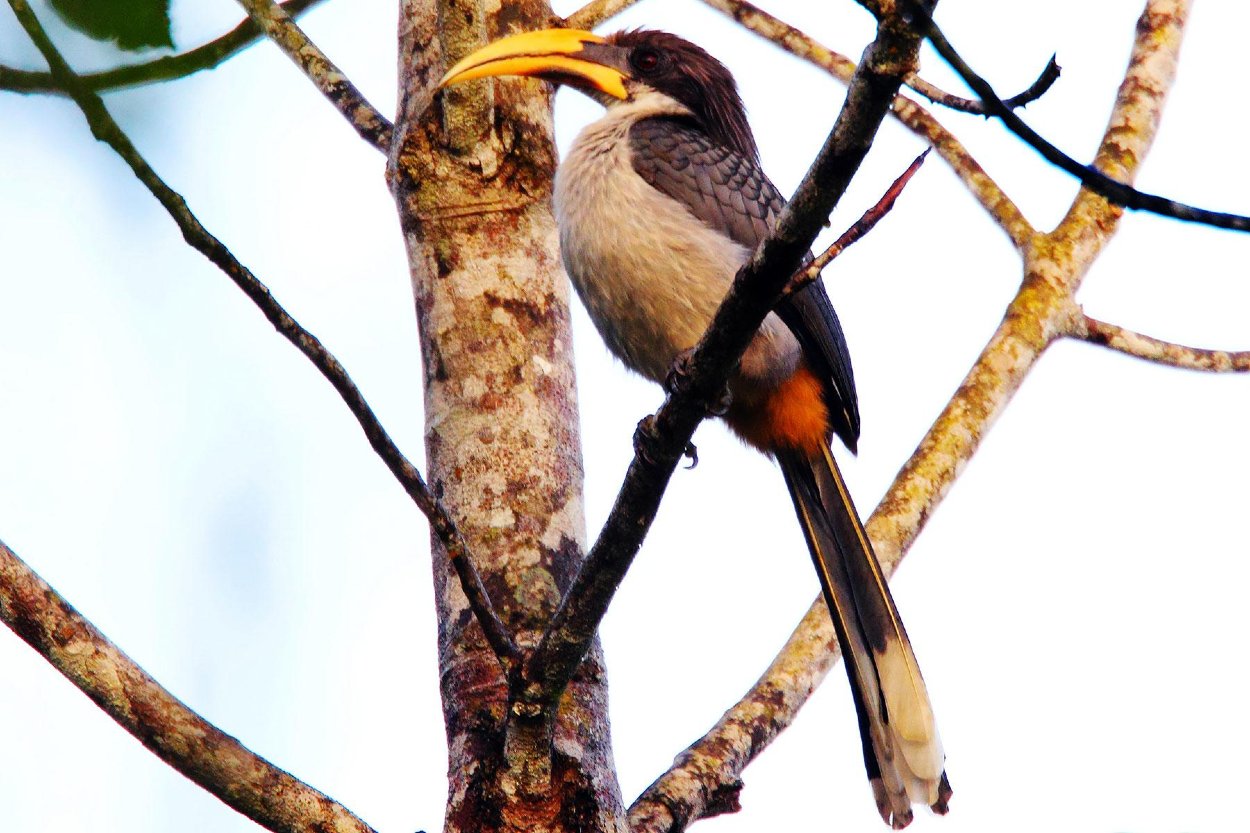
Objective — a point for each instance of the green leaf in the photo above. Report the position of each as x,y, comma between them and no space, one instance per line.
132,24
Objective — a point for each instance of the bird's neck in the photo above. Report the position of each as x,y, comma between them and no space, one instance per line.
645,105
727,127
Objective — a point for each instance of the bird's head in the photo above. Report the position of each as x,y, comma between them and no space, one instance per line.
622,68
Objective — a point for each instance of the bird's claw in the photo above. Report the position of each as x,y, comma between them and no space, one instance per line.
646,435
678,372
691,451
676,381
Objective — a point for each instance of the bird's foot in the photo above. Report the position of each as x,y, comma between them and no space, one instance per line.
678,372
677,378
647,436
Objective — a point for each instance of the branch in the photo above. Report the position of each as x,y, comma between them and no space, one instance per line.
967,105
372,126
166,68
1158,351
235,775
1095,180
104,128
908,112
867,221
595,12
663,438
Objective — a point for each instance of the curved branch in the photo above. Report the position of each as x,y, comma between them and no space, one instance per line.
372,126
1032,93
104,128
595,12
918,120
231,772
1095,180
166,68
1158,351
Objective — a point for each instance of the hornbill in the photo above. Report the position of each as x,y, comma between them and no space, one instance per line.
658,204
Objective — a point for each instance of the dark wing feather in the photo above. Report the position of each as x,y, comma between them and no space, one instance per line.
731,194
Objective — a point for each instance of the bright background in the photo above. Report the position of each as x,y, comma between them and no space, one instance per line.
185,479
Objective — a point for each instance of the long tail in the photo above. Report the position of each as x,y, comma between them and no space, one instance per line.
902,750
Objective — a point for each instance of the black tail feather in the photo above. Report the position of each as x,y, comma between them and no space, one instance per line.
902,751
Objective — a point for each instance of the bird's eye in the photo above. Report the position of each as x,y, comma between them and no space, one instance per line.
645,60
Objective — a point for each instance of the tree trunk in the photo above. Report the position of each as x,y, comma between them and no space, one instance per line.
471,174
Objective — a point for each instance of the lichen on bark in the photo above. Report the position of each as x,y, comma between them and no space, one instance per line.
502,445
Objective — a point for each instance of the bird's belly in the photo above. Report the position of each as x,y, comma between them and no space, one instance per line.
650,273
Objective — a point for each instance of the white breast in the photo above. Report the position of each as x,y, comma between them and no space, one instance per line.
649,272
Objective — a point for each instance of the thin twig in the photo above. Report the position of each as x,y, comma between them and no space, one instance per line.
1092,178
858,229
166,68
595,12
104,128
922,123
372,126
968,105
225,768
1156,350
662,439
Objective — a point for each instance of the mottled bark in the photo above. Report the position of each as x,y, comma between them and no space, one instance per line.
471,173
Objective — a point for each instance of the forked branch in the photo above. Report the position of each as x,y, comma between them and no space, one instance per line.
1120,193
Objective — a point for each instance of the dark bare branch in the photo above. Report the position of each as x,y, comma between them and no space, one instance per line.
867,221
1095,180
755,290
372,126
214,760
968,105
166,68
104,128
1156,350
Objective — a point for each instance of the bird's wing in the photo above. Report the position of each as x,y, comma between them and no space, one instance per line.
731,194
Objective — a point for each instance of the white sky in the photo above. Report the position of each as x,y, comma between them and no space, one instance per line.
195,489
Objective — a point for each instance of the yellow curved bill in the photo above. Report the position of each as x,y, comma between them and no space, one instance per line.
550,53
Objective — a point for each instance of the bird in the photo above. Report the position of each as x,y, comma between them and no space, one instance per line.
658,204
